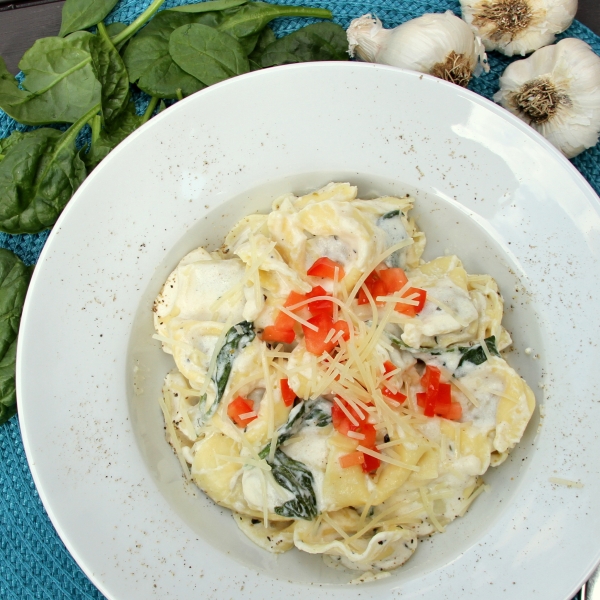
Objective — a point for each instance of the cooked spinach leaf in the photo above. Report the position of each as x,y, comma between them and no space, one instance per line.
81,14
305,414
38,176
251,18
200,7
59,86
391,214
319,41
207,54
295,477
236,339
476,354
14,279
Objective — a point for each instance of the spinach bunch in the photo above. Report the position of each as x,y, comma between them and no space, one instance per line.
185,49
14,279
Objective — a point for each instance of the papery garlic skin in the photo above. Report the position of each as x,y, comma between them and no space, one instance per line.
438,44
518,26
557,91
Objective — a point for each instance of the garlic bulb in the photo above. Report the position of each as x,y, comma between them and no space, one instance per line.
518,26
557,91
439,44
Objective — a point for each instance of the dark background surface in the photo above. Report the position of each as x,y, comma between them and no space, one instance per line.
24,21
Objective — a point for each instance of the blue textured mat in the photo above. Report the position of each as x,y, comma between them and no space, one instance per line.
33,561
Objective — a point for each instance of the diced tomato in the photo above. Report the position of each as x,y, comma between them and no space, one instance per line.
410,310
389,366
318,307
431,381
421,399
397,396
287,393
273,334
452,411
371,464
238,407
376,288
325,267
351,460
444,395
315,340
283,321
368,431
394,279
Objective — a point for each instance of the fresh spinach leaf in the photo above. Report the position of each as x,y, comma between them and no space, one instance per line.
476,354
81,14
14,280
295,477
211,5
111,136
6,143
207,54
265,38
59,86
319,41
236,339
114,29
38,176
251,18
148,60
110,71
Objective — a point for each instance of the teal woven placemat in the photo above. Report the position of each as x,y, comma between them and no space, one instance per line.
33,561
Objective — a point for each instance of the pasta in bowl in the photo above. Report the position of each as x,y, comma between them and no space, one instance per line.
339,394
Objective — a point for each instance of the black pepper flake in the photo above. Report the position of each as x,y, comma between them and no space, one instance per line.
386,438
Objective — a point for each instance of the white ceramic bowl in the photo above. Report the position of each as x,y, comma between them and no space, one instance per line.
487,188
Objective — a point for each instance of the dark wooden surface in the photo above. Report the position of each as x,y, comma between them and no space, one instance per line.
24,21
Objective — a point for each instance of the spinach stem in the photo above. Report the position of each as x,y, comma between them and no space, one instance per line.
132,29
179,94
151,106
104,34
95,124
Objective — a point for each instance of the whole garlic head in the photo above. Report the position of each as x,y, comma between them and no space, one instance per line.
557,91
518,26
438,44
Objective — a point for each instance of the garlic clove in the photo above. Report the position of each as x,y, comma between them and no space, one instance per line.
556,91
438,44
518,26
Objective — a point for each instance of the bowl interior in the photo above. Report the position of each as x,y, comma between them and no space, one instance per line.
451,229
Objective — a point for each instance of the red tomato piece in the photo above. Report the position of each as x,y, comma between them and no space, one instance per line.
397,396
421,399
411,310
318,307
376,288
452,411
394,279
238,407
273,334
444,395
371,464
369,432
325,267
287,393
315,340
284,322
431,381
389,366
351,460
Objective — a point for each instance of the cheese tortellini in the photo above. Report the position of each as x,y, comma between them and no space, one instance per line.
347,412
